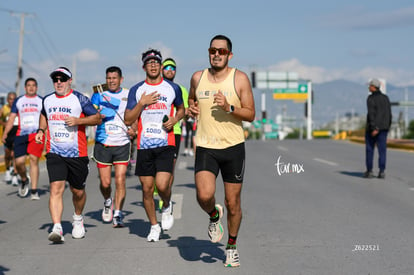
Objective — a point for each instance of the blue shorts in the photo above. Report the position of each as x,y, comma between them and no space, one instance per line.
27,145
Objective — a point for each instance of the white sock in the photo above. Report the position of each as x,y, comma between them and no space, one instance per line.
58,226
108,202
117,212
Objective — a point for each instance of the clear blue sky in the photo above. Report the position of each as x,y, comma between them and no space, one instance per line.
321,40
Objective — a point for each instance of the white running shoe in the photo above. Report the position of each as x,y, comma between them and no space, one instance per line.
154,235
190,152
78,230
118,221
232,258
24,188
167,218
15,180
215,229
8,176
107,212
56,236
35,196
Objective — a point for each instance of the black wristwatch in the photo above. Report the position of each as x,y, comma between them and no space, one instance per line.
231,109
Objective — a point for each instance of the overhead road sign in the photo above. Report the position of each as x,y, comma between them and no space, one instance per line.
300,93
290,96
276,80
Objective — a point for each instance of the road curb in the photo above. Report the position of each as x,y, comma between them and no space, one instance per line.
403,144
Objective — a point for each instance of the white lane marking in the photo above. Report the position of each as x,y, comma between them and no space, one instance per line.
177,205
281,148
326,162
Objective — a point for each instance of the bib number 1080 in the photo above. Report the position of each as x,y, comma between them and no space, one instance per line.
154,131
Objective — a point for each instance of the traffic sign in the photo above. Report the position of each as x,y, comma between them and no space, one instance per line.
300,93
276,80
302,88
294,96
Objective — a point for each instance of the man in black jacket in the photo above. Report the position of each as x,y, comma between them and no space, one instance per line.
379,119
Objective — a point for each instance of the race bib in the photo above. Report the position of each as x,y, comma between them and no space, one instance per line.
62,135
28,121
154,130
113,128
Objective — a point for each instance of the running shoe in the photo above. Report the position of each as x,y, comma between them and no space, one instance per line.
8,176
118,221
167,218
215,229
56,236
15,180
78,230
24,188
154,235
35,196
232,258
107,212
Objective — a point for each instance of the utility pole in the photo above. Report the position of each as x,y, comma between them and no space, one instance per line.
20,53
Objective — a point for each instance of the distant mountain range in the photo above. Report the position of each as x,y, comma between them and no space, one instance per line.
335,98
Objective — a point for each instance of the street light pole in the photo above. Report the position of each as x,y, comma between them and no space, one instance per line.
309,112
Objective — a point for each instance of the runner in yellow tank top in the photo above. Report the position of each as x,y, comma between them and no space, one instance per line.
221,98
10,176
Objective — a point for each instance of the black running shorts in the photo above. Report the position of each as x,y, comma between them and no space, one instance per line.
229,161
109,155
73,170
10,138
151,161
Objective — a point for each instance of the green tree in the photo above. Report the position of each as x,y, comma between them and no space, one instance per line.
410,129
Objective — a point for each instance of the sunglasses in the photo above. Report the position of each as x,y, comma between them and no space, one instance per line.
221,51
169,68
61,79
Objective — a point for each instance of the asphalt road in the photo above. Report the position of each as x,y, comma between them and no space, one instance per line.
321,217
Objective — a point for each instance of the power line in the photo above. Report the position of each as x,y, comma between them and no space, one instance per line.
34,47
6,86
45,38
32,68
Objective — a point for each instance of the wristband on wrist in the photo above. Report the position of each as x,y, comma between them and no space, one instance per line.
40,129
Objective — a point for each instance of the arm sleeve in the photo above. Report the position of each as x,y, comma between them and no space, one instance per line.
178,95
132,98
95,99
14,106
86,104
